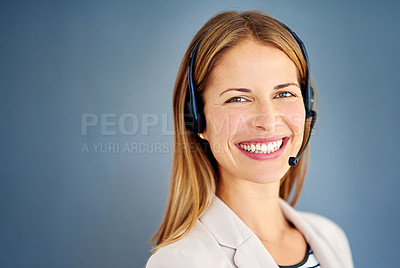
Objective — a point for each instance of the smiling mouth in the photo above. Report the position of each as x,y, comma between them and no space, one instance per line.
262,147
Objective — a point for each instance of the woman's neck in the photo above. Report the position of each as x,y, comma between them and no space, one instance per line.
257,205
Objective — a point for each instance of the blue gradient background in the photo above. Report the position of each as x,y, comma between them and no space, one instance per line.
61,207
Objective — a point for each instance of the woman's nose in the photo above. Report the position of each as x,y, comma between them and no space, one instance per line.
265,117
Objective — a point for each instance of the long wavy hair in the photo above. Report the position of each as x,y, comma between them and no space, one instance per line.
195,173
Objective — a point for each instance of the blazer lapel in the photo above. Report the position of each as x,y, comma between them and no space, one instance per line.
231,232
319,246
253,254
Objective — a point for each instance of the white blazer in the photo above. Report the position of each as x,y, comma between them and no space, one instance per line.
220,239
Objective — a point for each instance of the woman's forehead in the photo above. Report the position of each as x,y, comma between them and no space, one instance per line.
249,61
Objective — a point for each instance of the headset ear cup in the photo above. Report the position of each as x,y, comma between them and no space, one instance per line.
312,99
201,123
188,113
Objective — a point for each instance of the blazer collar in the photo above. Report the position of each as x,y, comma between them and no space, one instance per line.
227,228
230,231
319,246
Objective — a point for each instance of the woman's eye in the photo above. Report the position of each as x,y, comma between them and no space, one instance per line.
285,95
236,99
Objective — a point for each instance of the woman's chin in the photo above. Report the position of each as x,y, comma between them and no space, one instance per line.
263,179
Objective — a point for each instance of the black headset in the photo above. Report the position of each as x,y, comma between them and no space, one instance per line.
194,107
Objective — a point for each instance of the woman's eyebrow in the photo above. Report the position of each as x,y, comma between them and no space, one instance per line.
237,89
249,90
286,85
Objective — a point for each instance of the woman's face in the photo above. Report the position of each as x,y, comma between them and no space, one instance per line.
254,113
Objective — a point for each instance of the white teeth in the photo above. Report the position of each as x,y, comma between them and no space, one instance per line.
253,148
270,147
262,148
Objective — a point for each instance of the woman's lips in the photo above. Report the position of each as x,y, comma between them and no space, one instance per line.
263,149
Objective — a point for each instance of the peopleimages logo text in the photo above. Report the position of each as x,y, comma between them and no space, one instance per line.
127,124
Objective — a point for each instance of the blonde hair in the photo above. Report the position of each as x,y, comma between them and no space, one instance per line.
195,172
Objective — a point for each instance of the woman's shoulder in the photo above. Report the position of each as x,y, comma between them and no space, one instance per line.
189,251
173,255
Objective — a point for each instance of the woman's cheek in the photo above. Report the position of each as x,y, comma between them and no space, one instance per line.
295,117
224,124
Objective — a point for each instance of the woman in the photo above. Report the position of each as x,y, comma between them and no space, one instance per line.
243,114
